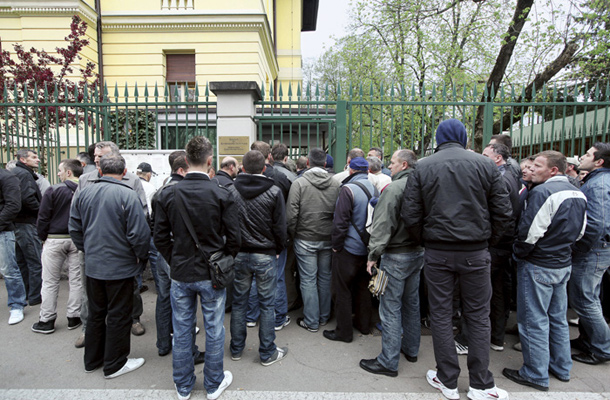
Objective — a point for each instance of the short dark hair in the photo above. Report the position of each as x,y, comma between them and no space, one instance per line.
500,149
84,157
603,153
179,162
112,164
253,162
407,155
228,163
73,165
91,151
302,162
173,156
198,150
317,157
355,152
504,139
279,151
378,151
263,147
554,159
23,153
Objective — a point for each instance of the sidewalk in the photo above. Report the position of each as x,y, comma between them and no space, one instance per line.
315,368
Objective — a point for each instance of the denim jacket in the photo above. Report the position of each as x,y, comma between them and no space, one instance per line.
597,190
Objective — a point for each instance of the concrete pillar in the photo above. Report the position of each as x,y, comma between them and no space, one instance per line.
235,126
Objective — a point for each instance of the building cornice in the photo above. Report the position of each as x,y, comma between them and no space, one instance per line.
37,8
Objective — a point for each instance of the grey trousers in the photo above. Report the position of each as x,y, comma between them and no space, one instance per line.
442,270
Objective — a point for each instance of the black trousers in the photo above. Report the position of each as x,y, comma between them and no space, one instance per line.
501,286
107,336
349,276
471,270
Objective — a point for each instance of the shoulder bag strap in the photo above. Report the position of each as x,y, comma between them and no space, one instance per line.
189,225
368,195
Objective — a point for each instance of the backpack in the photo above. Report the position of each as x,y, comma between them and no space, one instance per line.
372,202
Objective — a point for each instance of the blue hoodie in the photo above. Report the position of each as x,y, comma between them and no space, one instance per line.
451,130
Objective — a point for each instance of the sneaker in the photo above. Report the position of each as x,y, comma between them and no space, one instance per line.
573,321
44,327
280,353
302,324
223,385
460,348
236,356
80,342
323,323
251,324
131,365
137,329
496,347
16,317
517,346
181,397
451,394
197,330
74,323
286,323
492,394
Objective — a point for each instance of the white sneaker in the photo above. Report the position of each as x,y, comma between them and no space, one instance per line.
496,347
492,394
131,365
451,394
223,385
181,397
251,324
16,317
460,348
286,323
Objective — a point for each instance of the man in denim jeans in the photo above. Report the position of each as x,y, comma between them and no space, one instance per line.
402,259
10,204
309,214
553,219
262,223
591,258
211,211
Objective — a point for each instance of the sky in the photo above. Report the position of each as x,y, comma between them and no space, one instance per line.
332,20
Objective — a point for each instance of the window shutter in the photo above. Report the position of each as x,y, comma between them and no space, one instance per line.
180,67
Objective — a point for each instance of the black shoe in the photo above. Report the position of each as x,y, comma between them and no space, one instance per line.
408,357
578,345
200,359
374,367
514,376
332,335
74,323
587,358
163,353
302,324
558,377
44,327
143,289
35,302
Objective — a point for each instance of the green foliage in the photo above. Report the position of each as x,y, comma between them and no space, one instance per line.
132,129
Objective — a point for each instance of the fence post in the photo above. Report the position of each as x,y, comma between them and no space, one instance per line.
235,126
488,123
341,126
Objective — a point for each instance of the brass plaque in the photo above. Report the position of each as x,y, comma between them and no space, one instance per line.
233,145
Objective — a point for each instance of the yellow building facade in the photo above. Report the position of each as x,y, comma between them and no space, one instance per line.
178,42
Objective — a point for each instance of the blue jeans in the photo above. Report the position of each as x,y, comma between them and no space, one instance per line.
401,298
587,273
264,268
542,304
281,297
15,289
314,260
184,307
28,250
163,307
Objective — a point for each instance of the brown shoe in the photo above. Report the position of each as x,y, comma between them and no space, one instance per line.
137,329
80,342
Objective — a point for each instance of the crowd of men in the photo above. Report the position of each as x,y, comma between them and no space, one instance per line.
482,230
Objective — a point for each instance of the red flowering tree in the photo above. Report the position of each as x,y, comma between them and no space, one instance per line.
38,84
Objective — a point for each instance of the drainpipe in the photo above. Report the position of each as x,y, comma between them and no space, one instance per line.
100,55
275,45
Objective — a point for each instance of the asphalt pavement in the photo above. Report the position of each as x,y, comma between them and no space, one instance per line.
47,367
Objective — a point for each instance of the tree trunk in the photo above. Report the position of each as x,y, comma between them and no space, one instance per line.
506,52
549,72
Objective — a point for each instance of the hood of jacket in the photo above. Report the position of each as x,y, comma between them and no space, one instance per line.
250,186
451,130
318,177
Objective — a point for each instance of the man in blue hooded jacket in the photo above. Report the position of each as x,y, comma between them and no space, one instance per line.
456,204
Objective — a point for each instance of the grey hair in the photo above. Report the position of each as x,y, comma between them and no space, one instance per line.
408,156
11,165
112,164
24,153
374,164
112,145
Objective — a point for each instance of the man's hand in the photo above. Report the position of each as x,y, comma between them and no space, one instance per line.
369,266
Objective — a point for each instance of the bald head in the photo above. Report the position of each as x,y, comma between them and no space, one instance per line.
229,165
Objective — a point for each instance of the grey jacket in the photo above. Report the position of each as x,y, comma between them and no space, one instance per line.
130,179
311,205
108,223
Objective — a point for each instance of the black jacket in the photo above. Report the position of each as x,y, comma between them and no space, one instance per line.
223,178
280,180
456,200
211,210
54,211
30,194
262,214
10,200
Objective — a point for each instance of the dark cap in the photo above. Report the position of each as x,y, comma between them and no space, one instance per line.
359,164
145,167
